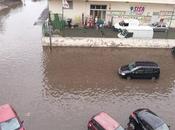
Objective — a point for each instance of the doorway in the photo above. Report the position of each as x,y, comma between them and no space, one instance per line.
99,11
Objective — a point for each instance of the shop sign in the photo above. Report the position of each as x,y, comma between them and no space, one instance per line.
137,9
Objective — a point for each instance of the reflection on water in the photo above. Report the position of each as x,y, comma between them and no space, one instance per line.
4,14
85,80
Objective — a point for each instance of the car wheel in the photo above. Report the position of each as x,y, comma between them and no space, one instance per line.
153,78
128,77
131,126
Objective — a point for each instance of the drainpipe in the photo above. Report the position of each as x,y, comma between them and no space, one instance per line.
62,9
170,21
172,16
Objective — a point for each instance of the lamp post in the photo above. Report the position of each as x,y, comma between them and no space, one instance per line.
62,2
170,21
50,31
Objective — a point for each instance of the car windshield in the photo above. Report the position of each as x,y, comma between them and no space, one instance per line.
11,124
131,66
119,128
162,127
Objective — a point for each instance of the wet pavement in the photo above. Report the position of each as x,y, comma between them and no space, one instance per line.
60,89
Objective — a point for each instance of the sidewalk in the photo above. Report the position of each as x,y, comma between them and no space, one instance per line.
8,4
108,42
81,37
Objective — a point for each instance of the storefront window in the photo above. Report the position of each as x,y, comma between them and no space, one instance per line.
99,11
92,6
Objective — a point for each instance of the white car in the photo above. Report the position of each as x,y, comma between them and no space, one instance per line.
160,27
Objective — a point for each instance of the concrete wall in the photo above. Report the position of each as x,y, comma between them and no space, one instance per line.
76,13
149,9
55,6
79,7
108,42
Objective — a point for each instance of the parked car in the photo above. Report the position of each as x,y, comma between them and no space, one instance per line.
134,29
125,34
160,27
103,121
125,24
145,119
140,69
9,119
173,51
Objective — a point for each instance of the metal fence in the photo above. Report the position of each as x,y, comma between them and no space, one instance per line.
57,25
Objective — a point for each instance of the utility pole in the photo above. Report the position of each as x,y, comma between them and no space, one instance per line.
170,21
50,31
62,2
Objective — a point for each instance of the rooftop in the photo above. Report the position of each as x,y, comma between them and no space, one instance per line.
106,121
151,119
6,113
146,63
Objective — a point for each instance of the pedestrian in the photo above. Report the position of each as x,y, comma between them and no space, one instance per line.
96,22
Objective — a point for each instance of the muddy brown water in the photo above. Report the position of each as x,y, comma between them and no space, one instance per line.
61,89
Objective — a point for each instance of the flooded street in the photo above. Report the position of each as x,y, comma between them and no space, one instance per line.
61,89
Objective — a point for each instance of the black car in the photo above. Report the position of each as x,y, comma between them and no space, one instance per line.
140,69
145,119
173,51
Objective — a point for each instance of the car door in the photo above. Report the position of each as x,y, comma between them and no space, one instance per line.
138,73
148,73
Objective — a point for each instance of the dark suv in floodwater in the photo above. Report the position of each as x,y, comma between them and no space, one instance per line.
140,69
145,119
173,51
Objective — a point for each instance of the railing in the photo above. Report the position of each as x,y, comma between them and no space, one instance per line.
45,29
57,25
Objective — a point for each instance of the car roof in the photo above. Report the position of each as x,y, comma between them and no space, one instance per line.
151,119
6,113
146,63
107,122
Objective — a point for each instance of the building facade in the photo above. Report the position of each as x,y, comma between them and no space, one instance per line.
146,11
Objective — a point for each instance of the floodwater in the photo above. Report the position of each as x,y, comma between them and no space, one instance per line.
60,89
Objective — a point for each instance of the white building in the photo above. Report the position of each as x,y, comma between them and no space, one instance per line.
146,11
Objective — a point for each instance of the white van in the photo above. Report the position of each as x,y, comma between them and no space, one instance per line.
132,26
124,24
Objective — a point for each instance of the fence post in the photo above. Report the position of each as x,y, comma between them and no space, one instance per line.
50,31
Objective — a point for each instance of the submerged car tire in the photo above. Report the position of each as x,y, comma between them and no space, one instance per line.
173,51
153,78
128,77
89,128
131,126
